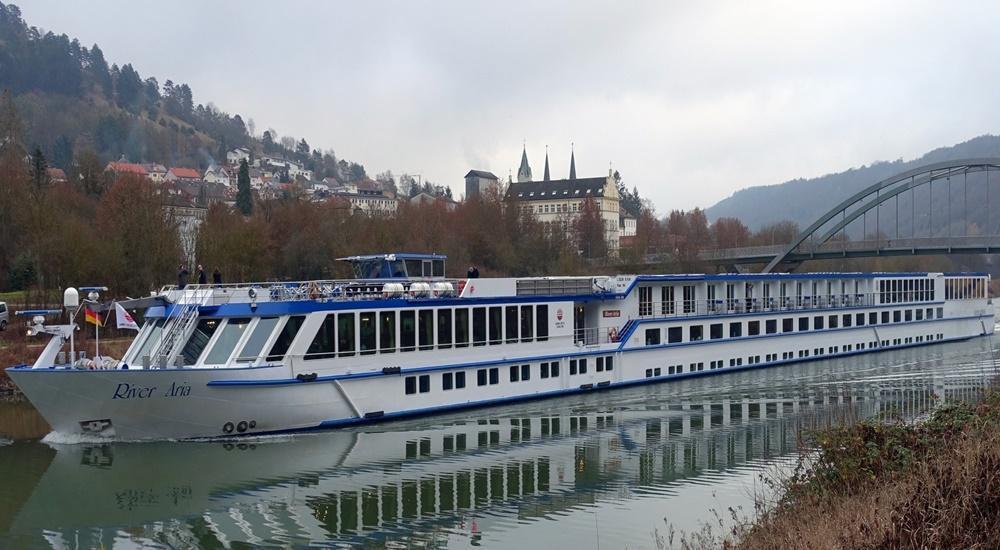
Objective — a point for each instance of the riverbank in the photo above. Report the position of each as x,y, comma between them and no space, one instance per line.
935,484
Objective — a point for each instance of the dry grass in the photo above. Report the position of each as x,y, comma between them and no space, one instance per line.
882,485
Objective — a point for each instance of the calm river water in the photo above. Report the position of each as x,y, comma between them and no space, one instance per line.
598,471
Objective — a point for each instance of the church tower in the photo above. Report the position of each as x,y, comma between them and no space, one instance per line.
546,177
572,163
524,172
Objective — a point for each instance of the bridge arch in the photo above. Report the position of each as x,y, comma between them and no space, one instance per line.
810,240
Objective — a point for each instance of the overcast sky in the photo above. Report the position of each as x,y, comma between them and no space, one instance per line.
690,101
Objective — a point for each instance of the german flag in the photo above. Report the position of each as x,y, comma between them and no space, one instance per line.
92,317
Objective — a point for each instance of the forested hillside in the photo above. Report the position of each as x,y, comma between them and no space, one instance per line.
804,200
80,108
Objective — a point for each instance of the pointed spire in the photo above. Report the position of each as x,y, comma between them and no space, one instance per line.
572,163
546,178
524,172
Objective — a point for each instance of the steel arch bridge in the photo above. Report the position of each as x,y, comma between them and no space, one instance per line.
929,222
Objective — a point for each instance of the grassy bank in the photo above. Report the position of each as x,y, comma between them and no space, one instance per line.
935,484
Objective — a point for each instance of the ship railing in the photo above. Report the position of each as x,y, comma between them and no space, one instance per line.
317,290
702,308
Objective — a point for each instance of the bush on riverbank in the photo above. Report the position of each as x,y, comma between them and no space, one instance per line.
874,485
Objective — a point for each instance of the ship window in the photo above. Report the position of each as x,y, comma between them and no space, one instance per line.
512,321
526,323
525,372
771,326
753,328
832,321
324,344
254,345
609,363
543,370
366,321
444,328
426,328
908,316
788,325
407,330
479,326
494,376
227,341
652,337
859,319
515,372
600,364
554,369
919,315
345,334
481,377
818,322
803,323
425,383
411,385
735,330
873,318
285,337
542,322
846,320
572,366
459,380
674,335
696,333
461,327
447,381
413,268
155,330
199,339
896,316
387,331
885,317
496,325
583,366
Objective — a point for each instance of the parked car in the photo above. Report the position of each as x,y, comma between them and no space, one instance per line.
4,316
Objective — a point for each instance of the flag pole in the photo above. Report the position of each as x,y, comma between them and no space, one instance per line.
97,337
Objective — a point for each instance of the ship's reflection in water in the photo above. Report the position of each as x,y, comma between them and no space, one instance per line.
602,469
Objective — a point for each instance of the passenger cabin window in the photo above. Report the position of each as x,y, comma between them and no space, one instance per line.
345,334
426,329
496,325
645,300
255,344
542,322
407,330
652,336
479,326
512,323
324,344
461,328
199,340
674,335
526,324
444,328
224,345
151,340
285,337
367,331
387,331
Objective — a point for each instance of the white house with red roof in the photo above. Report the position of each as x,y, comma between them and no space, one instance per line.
122,167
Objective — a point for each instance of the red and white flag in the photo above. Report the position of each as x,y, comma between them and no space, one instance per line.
124,318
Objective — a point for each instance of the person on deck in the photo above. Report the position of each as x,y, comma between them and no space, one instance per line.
216,277
473,272
182,277
202,276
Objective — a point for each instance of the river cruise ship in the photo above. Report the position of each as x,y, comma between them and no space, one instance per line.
401,339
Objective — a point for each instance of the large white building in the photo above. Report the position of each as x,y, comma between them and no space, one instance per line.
558,203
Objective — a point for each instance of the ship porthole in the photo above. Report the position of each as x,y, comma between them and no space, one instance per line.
253,424
242,426
228,427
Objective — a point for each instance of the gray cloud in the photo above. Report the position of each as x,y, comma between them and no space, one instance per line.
690,101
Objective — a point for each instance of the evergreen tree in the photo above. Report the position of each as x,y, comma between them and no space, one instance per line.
39,173
244,196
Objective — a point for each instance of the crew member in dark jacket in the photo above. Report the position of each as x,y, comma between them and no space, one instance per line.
202,276
473,272
182,276
216,277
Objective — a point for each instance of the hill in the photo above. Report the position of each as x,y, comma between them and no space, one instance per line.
73,103
804,200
